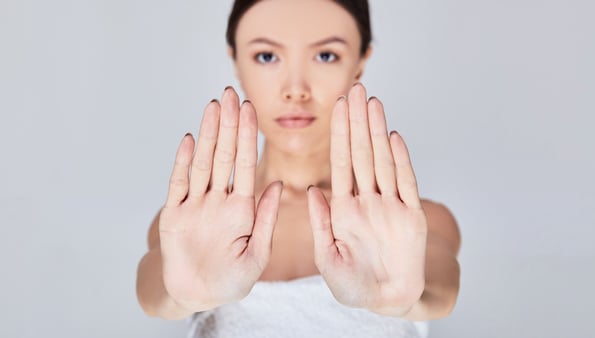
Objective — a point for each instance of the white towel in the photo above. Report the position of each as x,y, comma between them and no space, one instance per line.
303,307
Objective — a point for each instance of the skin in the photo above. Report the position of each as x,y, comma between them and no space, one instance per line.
362,224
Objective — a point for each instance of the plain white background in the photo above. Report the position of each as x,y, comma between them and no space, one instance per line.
495,99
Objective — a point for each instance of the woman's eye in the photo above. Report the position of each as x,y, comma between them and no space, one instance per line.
326,57
265,57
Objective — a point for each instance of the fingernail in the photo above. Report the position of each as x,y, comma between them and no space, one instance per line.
310,186
394,132
188,134
214,100
355,84
228,87
247,101
372,98
341,98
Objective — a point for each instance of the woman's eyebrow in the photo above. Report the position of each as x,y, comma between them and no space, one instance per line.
329,40
332,39
265,40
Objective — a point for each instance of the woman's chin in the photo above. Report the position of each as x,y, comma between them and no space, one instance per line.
301,145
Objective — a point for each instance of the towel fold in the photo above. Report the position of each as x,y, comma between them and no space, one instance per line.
303,307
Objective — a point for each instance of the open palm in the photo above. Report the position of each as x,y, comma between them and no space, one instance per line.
215,243
370,241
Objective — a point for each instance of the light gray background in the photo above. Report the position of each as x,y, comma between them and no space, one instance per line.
495,99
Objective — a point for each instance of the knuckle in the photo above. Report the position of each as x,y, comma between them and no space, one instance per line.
178,182
384,162
207,137
224,155
358,118
201,164
230,122
246,161
180,162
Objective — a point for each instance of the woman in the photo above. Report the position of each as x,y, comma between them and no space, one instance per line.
331,209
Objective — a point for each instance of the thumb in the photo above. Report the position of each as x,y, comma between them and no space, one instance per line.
320,221
267,210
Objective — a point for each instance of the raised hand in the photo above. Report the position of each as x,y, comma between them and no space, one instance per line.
214,242
370,242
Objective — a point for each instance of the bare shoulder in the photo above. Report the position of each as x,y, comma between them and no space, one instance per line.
442,224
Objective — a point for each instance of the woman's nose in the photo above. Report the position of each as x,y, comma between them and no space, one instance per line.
296,86
298,92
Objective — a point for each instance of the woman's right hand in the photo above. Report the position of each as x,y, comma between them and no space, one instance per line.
215,243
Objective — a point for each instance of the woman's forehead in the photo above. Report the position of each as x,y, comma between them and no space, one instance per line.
297,22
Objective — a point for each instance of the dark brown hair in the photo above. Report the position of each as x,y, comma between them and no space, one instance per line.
357,8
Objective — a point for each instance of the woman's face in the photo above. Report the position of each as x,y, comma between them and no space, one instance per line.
293,60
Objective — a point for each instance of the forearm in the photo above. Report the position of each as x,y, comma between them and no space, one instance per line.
151,292
442,274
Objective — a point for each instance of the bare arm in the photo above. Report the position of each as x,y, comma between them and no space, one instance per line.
192,265
442,270
380,247
150,290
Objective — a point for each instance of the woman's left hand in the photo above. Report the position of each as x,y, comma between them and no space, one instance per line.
370,243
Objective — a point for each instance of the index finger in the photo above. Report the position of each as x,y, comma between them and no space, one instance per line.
246,155
341,168
406,181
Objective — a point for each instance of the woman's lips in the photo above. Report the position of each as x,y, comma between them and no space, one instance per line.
295,121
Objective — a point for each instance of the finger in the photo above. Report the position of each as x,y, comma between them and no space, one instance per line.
178,182
384,164
202,163
260,243
361,146
341,170
225,150
246,157
406,181
320,221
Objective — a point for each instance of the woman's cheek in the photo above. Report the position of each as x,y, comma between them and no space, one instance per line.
334,86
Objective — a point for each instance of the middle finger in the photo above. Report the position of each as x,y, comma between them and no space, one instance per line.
225,150
361,145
